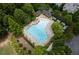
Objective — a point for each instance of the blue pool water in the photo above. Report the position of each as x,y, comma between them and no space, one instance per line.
38,31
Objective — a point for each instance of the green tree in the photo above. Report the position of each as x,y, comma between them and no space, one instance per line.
64,12
54,6
68,36
3,31
76,22
76,16
8,8
20,17
59,48
57,28
28,9
76,28
67,19
39,50
2,14
57,14
5,21
19,5
61,6
41,6
14,27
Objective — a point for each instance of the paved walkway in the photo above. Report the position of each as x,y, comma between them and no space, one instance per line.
25,43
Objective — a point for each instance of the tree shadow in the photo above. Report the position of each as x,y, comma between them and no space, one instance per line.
3,37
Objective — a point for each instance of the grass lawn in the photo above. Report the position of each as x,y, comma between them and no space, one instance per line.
7,50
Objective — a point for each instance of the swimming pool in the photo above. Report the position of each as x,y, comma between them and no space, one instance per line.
38,30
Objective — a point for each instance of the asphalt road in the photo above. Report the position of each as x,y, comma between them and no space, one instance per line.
74,45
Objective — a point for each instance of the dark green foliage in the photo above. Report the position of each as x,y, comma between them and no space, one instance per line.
5,21
3,32
19,5
2,14
14,27
61,6
28,9
39,50
76,28
54,6
67,19
40,6
64,13
59,48
76,22
76,16
68,36
57,13
8,8
20,17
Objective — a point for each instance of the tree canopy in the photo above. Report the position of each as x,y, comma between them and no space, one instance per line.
39,50
13,18
57,28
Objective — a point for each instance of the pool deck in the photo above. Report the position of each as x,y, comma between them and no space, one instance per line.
48,29
24,43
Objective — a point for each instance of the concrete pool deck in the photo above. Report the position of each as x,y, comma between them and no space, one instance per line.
48,31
